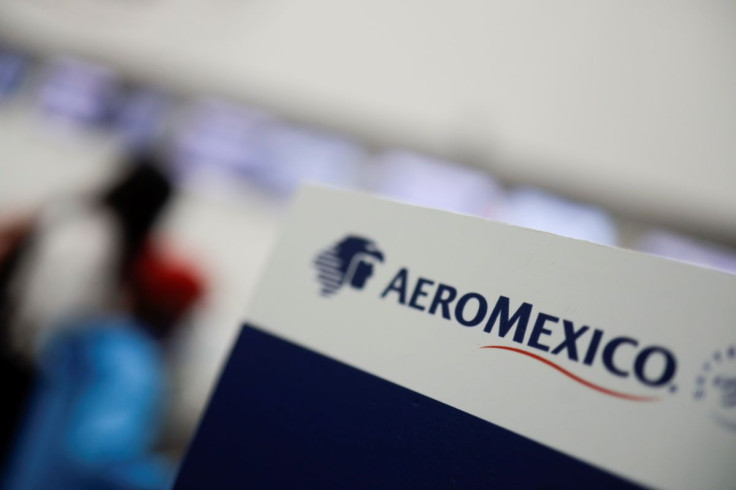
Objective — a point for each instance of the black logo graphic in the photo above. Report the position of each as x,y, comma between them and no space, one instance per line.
349,262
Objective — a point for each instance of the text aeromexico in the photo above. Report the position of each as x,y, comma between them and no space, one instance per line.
581,343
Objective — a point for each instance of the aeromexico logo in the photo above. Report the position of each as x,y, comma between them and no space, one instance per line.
348,263
566,345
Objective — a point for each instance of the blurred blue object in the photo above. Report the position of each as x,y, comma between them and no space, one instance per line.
94,416
532,208
427,181
77,93
12,69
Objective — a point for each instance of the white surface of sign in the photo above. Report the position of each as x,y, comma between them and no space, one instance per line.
620,359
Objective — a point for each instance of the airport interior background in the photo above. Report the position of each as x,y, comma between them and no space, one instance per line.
611,122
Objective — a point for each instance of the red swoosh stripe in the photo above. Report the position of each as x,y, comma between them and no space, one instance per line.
574,377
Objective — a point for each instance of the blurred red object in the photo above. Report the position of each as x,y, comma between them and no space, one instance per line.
164,288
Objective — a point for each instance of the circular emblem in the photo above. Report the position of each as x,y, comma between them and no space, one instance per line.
715,386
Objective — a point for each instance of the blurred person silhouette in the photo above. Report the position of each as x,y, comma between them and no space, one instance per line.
69,260
97,408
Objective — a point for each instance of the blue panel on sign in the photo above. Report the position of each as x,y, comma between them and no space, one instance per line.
286,417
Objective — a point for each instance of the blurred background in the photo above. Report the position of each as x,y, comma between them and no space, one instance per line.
612,122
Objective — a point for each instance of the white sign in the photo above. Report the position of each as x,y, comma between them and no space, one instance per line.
616,358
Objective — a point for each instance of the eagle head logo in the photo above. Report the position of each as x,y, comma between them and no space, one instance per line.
349,262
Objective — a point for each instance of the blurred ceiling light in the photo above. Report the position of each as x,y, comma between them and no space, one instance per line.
532,208
427,181
77,92
686,249
216,137
139,117
297,155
